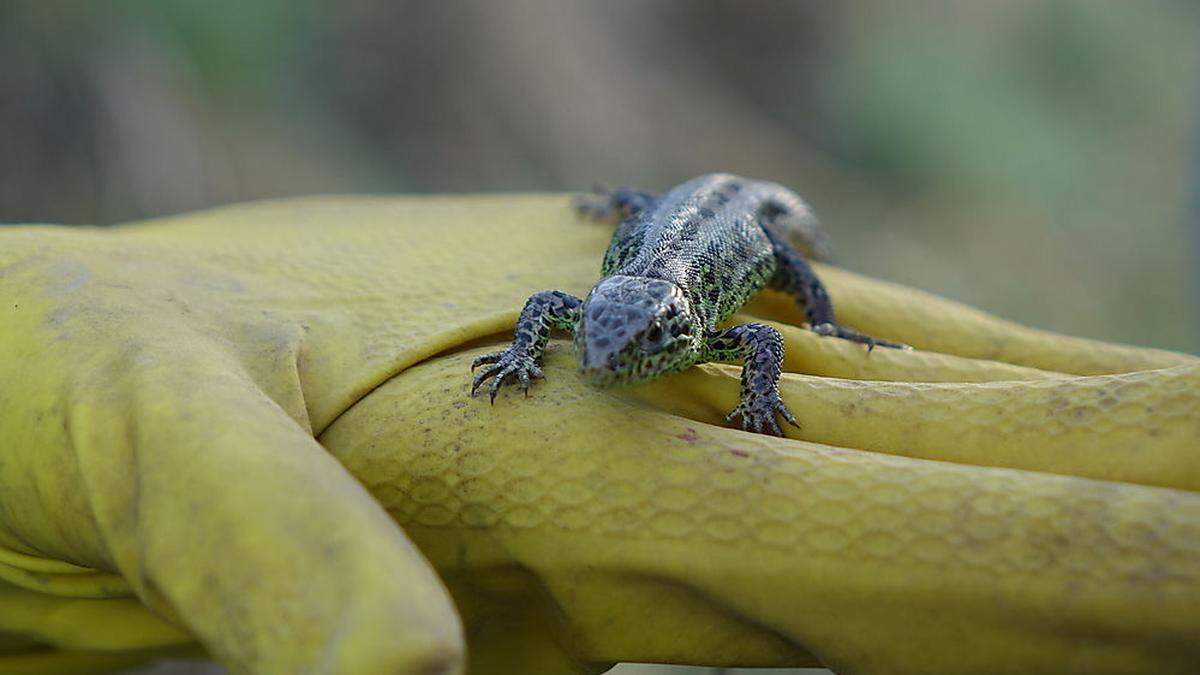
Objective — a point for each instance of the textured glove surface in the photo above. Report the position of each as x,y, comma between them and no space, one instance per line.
180,394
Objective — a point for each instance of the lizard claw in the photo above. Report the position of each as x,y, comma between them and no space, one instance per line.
758,414
503,365
483,375
852,335
486,358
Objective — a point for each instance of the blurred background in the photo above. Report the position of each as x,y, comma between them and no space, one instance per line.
1038,159
1035,158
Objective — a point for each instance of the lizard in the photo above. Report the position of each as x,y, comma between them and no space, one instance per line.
680,264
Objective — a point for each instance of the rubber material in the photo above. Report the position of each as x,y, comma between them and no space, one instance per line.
228,427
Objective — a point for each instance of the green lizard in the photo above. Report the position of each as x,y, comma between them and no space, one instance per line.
678,265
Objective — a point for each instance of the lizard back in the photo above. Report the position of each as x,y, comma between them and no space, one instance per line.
706,236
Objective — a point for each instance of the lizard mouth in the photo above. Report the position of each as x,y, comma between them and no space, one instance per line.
608,372
608,378
598,376
607,369
600,371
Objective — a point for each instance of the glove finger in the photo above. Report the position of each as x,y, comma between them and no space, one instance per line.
220,509
277,559
812,354
935,324
1135,427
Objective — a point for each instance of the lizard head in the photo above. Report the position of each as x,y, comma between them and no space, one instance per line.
634,329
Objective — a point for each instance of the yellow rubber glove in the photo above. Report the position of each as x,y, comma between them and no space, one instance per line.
166,386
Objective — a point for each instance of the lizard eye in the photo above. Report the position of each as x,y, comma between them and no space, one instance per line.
655,333
652,339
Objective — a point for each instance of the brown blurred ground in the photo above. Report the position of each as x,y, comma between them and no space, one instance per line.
1037,158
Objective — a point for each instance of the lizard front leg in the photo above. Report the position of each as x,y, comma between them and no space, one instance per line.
626,205
543,312
621,203
760,349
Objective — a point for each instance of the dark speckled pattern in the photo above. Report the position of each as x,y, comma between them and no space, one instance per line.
678,266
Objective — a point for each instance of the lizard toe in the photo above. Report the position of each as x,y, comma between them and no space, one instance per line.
504,373
486,358
772,426
484,375
760,417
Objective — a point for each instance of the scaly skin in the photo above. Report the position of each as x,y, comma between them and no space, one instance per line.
678,266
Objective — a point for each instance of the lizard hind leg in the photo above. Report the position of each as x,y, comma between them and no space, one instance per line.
796,276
